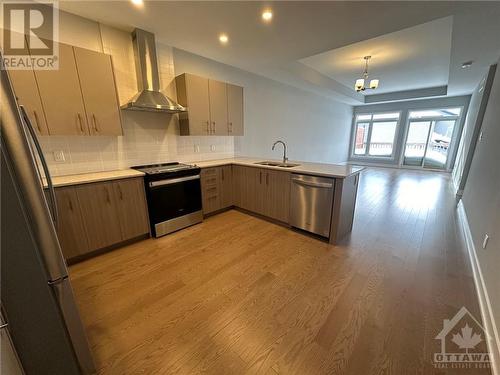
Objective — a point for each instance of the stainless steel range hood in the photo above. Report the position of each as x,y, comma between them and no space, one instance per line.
149,98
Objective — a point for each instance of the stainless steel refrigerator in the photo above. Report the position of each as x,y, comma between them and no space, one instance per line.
36,295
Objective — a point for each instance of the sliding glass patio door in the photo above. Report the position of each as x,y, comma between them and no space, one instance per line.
429,138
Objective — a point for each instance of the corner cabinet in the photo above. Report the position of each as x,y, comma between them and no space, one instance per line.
79,98
213,107
100,215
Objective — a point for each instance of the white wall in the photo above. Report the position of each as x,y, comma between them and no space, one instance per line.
315,128
481,198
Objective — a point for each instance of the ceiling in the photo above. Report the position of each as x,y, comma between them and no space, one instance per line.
409,59
287,49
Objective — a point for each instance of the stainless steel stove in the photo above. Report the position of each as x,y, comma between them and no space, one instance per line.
173,193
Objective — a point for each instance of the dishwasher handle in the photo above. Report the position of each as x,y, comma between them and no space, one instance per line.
321,185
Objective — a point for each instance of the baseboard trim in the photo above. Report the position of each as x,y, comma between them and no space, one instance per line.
482,292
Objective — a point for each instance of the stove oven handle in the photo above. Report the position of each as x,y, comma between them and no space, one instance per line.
173,181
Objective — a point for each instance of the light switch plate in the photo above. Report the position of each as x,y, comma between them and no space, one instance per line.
59,156
196,148
485,241
212,148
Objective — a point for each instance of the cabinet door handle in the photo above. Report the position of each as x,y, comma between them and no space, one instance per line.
37,122
80,122
107,194
267,178
260,177
94,120
208,127
213,124
120,191
70,204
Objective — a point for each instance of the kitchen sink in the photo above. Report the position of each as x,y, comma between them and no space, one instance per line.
277,164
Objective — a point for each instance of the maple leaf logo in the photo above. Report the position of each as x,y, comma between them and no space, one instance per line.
466,340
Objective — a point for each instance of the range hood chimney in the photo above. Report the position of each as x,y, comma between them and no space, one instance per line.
149,98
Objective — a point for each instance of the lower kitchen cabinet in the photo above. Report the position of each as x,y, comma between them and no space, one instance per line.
210,191
277,195
70,227
226,186
263,191
131,207
246,181
99,215
216,188
260,190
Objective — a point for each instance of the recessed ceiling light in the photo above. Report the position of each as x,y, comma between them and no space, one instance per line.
267,15
137,2
223,38
467,64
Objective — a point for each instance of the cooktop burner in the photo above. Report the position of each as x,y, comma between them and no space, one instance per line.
163,168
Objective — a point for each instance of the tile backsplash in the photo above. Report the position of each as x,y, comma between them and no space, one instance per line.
147,137
140,144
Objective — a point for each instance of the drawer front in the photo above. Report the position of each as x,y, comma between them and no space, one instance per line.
210,189
209,176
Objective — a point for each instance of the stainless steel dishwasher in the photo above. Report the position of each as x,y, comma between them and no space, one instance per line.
311,203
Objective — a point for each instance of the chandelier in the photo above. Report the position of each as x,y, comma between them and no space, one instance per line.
360,83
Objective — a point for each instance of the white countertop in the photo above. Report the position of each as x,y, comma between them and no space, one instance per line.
316,169
86,178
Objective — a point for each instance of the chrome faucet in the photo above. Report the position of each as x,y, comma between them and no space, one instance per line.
285,159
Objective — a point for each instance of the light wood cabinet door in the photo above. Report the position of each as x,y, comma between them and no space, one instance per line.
61,96
70,229
250,189
235,109
218,107
277,196
131,207
192,92
237,176
98,86
26,91
100,214
226,186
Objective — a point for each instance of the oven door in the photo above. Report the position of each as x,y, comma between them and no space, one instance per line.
174,204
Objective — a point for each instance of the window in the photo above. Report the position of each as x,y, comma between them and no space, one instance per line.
375,134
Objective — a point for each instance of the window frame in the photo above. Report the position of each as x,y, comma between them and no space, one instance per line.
366,155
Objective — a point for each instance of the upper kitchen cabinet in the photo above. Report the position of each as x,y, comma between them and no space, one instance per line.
79,98
192,92
213,107
27,95
218,107
235,109
97,82
62,97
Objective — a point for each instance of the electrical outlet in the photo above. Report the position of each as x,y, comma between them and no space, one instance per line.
59,156
196,148
485,241
481,137
212,148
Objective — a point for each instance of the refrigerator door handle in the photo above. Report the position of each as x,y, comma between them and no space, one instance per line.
38,148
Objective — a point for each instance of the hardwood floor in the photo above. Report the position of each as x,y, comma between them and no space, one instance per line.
239,295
